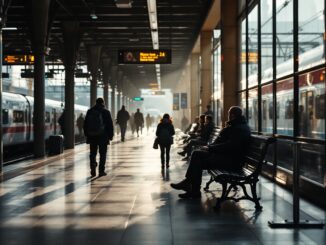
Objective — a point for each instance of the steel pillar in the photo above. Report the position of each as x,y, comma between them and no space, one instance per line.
113,82
106,62
93,59
71,38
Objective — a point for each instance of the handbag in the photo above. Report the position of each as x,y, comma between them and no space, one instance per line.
155,145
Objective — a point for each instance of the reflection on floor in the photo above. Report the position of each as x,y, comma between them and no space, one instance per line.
54,201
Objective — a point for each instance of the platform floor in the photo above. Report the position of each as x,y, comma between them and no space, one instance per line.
54,201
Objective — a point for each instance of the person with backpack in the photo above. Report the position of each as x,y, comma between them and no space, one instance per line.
122,119
164,133
98,129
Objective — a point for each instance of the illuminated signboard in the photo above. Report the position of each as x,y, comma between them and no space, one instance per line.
18,59
252,57
138,99
144,56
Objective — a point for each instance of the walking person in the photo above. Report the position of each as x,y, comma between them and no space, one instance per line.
122,119
164,133
148,122
98,129
80,124
139,121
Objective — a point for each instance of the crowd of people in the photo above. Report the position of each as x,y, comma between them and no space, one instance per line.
226,152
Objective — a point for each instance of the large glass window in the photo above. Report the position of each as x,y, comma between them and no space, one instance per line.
267,108
266,40
253,47
243,56
285,107
243,104
311,31
284,37
253,109
312,104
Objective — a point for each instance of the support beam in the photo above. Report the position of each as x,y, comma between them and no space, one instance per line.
2,17
93,59
194,86
113,82
106,62
38,14
71,37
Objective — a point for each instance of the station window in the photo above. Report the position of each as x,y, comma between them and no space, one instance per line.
18,116
289,109
5,116
47,117
320,106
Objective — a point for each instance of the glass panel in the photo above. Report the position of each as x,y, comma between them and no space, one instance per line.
267,108
217,87
243,56
5,116
284,114
284,37
253,109
243,103
312,164
47,117
253,48
266,40
18,116
311,31
312,104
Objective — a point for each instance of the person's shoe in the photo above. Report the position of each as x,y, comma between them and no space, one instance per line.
190,195
183,185
93,172
182,153
102,174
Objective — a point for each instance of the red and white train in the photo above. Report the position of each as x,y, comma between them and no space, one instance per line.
17,118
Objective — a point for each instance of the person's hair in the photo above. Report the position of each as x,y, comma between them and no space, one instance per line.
236,111
209,118
208,106
123,107
166,116
100,101
202,116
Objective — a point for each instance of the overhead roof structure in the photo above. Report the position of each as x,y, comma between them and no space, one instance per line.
105,23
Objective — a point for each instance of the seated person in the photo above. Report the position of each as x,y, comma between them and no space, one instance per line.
191,130
226,153
202,139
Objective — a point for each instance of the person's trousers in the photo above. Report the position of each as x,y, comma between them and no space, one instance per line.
92,156
165,152
123,129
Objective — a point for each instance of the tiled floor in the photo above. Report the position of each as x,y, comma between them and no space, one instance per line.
53,201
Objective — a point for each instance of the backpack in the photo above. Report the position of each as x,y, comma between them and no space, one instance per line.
95,123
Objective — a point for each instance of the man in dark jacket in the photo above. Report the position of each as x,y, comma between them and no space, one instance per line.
227,152
139,121
122,119
98,129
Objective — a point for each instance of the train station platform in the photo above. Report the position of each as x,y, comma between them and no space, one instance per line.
54,201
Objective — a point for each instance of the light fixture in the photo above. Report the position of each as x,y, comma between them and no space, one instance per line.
93,15
9,28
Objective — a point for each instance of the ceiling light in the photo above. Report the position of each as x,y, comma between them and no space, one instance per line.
93,15
123,3
9,28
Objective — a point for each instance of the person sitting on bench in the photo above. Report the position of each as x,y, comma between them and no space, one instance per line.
200,140
227,152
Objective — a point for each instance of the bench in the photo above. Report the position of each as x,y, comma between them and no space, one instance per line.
248,176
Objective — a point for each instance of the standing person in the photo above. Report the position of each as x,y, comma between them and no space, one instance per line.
98,129
61,122
209,111
122,119
132,123
139,121
164,133
80,124
148,122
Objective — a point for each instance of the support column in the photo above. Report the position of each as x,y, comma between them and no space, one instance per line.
38,16
2,17
194,86
229,46
206,47
119,88
106,62
114,71
71,37
93,59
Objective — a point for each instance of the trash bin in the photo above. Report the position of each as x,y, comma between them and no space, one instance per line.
55,144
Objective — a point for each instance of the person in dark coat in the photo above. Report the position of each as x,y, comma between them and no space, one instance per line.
98,140
122,119
139,121
227,152
164,133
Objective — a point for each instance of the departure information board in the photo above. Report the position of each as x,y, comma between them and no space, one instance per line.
144,56
18,59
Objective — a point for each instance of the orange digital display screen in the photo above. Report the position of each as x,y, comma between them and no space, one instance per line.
18,59
144,56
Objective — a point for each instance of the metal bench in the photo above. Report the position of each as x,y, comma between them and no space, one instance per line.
248,176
